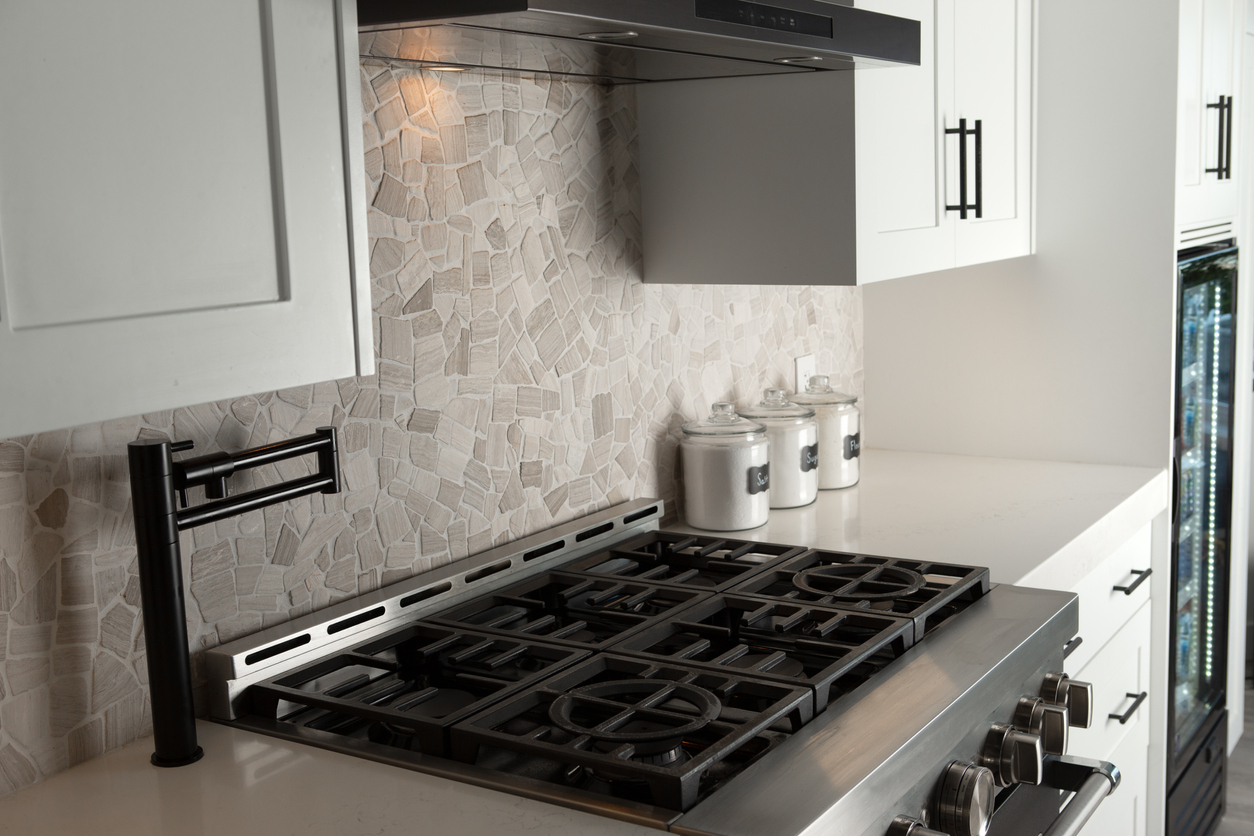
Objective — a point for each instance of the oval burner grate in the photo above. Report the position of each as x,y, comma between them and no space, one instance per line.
653,715
859,581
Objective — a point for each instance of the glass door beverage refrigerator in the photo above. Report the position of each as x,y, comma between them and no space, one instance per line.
1197,709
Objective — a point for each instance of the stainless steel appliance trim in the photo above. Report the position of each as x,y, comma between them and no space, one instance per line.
235,665
1082,806
859,34
842,770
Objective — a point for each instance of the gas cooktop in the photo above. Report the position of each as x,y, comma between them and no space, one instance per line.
604,665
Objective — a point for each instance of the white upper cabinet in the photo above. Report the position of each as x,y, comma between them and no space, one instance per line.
182,213
847,178
954,131
1207,194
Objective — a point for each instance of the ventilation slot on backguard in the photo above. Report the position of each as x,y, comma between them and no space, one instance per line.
354,620
639,515
487,570
594,532
275,649
424,594
556,545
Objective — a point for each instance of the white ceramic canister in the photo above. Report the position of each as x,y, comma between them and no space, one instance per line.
794,448
727,478
840,434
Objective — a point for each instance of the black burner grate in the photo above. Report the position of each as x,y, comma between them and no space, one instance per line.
925,592
409,685
785,641
709,563
631,728
576,609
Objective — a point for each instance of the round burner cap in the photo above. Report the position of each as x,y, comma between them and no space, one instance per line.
644,702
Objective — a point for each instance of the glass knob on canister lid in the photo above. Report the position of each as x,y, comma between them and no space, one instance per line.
795,454
840,432
726,462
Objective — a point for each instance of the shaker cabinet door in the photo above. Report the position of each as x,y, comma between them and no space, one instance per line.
901,112
1211,33
992,59
177,219
953,132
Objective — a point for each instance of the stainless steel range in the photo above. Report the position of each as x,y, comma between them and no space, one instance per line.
696,684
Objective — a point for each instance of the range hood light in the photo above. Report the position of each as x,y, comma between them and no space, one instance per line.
444,68
802,59
610,36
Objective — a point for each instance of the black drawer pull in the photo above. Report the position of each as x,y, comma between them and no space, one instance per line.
1137,699
1141,574
1069,647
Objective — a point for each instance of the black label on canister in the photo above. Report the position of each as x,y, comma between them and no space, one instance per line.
853,445
759,478
809,458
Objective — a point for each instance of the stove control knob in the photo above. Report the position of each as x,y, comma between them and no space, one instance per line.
965,802
1077,697
1014,756
903,826
1048,722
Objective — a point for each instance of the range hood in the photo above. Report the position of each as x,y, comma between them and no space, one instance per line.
630,41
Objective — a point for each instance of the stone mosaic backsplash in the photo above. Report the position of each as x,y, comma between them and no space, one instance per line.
526,377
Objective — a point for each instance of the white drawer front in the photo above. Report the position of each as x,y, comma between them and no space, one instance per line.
1103,609
1119,669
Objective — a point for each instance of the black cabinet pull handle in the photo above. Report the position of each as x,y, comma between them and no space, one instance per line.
1141,574
1069,647
963,132
1228,142
1137,699
1223,161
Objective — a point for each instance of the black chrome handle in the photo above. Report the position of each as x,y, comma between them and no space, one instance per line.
1141,574
963,132
1091,781
1070,647
1228,143
1137,699
1175,488
1223,159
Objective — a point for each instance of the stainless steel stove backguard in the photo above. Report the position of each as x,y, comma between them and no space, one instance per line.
232,667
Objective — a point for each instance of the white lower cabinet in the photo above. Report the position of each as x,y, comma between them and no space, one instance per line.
182,204
1115,656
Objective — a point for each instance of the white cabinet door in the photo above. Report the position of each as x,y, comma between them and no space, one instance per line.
992,59
177,220
1210,44
901,112
976,65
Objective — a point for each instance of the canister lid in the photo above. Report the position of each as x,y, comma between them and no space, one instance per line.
775,407
820,393
723,420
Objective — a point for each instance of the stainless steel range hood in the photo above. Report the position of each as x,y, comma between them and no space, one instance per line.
629,41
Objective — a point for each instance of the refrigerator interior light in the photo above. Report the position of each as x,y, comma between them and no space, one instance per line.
1214,463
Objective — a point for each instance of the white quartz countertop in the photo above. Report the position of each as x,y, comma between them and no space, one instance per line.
1012,516
1007,514
248,783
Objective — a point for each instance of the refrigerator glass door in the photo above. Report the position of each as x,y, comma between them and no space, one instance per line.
1205,354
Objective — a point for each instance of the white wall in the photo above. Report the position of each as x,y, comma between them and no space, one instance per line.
1065,355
